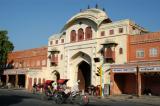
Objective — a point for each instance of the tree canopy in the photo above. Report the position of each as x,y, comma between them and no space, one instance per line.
6,46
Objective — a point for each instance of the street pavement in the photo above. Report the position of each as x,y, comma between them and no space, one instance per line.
17,97
128,100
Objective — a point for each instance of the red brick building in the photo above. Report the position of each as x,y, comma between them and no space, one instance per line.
21,63
141,73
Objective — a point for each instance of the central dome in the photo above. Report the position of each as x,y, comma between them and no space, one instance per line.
93,14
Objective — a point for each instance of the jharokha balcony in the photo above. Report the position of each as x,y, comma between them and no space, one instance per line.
54,60
109,51
53,57
109,55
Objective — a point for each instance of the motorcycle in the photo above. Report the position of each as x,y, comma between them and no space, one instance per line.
72,96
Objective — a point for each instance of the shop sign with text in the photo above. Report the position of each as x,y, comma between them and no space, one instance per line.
149,69
116,70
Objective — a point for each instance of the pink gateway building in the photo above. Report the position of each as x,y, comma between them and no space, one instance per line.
129,56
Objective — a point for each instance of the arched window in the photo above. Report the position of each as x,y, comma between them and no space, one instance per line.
39,80
120,51
80,34
73,36
43,80
88,33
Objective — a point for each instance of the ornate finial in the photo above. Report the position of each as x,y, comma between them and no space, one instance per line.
88,7
96,6
104,9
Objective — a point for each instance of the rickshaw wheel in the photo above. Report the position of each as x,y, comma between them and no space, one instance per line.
59,99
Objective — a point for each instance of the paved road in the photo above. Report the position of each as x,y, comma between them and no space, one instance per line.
23,98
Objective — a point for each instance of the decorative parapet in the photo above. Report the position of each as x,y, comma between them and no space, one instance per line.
145,38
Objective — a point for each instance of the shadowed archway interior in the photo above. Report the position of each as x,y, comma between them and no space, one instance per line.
84,75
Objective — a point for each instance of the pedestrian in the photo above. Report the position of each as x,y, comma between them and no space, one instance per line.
34,88
54,85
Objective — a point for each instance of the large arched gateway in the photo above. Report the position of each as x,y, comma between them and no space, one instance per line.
81,66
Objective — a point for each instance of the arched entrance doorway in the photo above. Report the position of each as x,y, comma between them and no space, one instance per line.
84,75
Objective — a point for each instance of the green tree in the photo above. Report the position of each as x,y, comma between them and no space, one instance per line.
6,46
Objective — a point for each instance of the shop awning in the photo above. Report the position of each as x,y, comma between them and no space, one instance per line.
62,81
49,81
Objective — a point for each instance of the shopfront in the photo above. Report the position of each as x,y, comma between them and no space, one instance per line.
16,77
150,76
135,79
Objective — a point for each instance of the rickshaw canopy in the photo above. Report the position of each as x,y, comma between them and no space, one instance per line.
49,81
62,81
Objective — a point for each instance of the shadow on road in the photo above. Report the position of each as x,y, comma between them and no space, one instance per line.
89,104
96,105
6,100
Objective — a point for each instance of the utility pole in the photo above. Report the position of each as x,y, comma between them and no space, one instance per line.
99,73
138,82
101,80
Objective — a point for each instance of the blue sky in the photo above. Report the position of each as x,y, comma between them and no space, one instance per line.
30,22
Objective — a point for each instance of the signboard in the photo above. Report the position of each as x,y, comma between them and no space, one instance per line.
9,72
106,89
14,71
21,71
32,73
123,70
150,69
